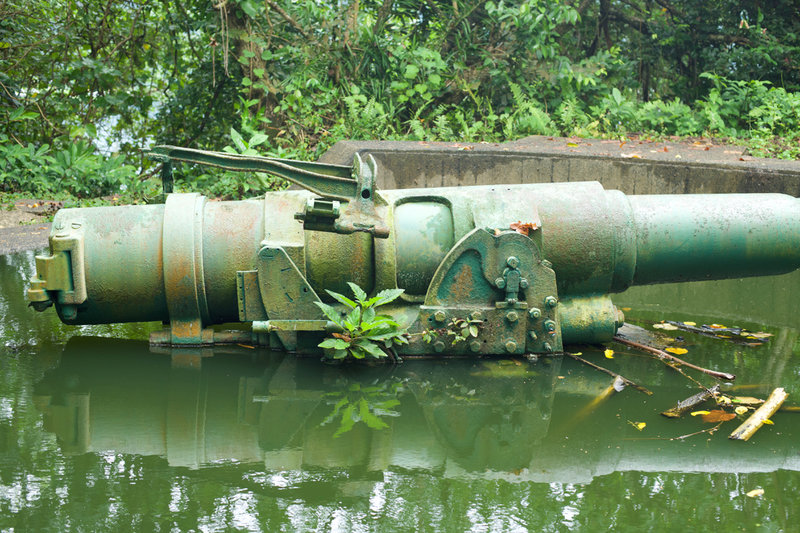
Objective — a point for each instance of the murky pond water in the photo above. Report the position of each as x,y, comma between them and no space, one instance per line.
100,433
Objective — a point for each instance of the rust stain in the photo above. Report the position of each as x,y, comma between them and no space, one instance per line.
461,288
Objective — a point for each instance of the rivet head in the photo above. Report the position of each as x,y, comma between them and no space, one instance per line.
523,283
549,326
500,283
512,316
551,301
547,347
438,346
439,316
512,261
534,312
511,346
475,346
532,335
546,263
476,315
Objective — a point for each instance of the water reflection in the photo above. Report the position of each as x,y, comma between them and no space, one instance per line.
102,434
460,418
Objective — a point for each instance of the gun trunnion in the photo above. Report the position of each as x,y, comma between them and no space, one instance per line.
195,263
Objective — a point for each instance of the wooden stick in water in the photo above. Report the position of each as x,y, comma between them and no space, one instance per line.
661,354
756,420
690,403
611,373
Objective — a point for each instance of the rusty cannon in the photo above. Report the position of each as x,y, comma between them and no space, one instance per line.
530,266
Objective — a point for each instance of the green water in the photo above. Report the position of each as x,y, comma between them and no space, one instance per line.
98,433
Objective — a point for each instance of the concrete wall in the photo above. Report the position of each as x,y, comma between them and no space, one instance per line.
640,167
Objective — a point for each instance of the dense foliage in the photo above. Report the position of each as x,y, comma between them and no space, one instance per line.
86,87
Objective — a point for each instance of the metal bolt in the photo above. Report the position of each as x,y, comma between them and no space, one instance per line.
547,347
551,301
476,315
475,346
523,283
438,346
512,316
534,312
500,283
532,335
547,263
439,316
511,346
512,261
549,325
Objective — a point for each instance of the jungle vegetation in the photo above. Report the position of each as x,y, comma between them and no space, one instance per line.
87,86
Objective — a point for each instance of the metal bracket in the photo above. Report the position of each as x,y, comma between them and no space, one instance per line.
503,279
286,294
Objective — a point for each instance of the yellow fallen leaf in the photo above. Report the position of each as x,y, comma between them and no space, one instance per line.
690,323
717,326
755,493
578,353
741,410
723,336
676,351
695,413
769,422
723,400
625,308
609,354
761,335
572,144
638,425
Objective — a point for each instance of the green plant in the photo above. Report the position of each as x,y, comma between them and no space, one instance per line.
364,332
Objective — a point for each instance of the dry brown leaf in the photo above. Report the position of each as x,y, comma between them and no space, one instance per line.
524,227
718,415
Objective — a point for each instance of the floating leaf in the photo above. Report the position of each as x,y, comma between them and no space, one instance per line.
638,425
747,400
761,335
609,354
695,413
768,422
676,351
690,323
717,326
755,493
718,415
741,410
665,326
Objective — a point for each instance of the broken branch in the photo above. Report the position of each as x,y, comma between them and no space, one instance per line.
661,354
611,373
756,420
689,403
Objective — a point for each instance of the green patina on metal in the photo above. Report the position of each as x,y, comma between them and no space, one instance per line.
454,251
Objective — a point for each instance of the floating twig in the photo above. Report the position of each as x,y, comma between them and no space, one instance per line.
689,403
611,373
661,354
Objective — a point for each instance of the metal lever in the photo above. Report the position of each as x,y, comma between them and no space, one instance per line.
356,185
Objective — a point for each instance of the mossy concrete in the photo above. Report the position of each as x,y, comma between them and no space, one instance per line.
639,167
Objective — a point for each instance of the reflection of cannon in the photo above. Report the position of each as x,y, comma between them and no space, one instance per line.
464,419
196,263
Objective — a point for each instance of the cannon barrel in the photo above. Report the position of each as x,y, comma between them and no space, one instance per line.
454,251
